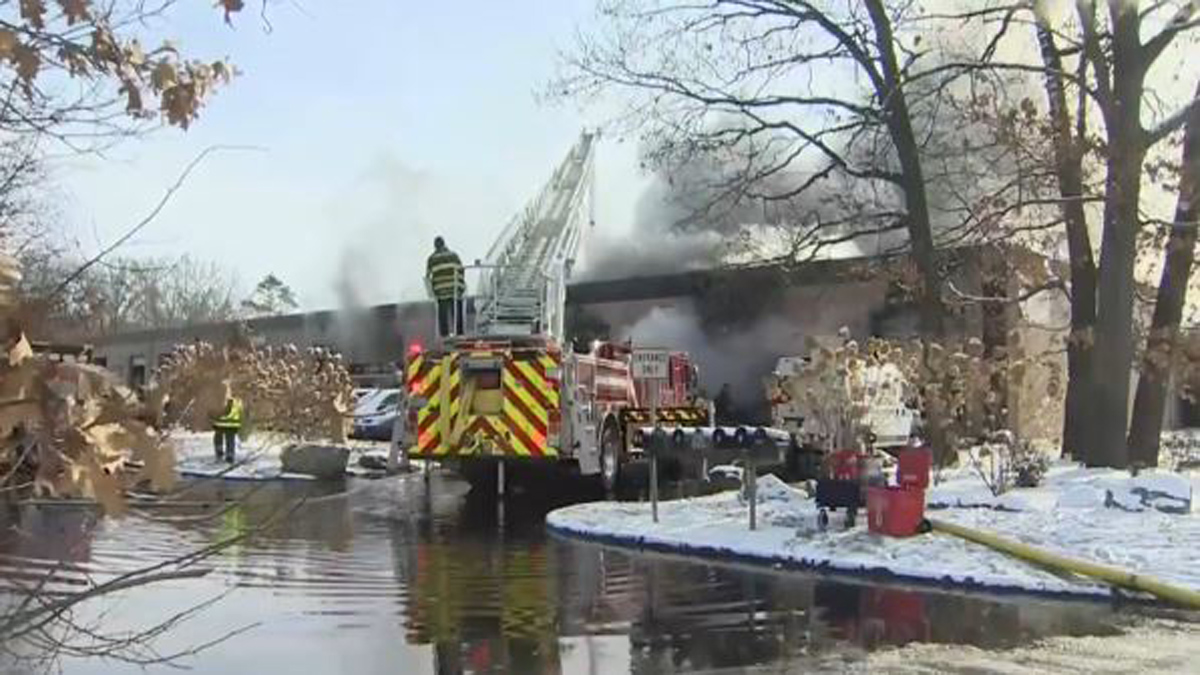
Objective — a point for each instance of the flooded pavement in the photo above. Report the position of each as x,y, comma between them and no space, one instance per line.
375,577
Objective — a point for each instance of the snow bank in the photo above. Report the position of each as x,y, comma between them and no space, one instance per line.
1149,542
1066,486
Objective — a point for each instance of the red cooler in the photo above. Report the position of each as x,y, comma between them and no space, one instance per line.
894,511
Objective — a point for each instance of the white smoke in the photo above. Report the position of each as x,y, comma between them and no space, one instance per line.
649,253
739,357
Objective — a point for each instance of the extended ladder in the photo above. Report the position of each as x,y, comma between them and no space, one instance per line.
523,288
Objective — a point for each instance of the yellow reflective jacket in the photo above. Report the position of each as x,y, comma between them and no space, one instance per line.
232,417
445,273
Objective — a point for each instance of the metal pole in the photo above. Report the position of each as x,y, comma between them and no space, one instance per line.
500,479
751,474
656,437
500,495
654,478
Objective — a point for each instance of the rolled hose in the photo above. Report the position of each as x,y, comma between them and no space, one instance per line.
1112,575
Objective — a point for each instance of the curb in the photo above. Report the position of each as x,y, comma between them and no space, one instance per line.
719,554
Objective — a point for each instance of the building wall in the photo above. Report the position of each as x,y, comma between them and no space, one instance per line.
374,335
735,324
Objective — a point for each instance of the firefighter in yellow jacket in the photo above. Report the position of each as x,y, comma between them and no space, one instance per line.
444,275
226,428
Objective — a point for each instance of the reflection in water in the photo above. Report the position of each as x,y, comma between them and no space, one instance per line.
375,577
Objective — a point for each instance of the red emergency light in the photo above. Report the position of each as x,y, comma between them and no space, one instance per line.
415,349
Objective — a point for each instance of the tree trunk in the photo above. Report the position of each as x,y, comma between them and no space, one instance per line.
1113,365
916,205
1150,401
1068,159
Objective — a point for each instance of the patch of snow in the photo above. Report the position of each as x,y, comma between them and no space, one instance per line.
1068,486
1080,497
1067,516
257,458
725,472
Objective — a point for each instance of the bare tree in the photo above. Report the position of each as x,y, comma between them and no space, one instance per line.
1068,144
771,88
1103,58
1120,65
1161,351
184,293
133,294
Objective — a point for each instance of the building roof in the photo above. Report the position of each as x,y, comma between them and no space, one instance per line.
677,284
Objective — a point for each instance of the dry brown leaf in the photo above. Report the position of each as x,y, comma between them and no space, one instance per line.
101,485
34,12
134,55
18,383
18,414
231,7
8,48
18,353
164,75
28,62
75,10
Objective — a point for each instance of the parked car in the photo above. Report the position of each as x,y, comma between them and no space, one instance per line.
375,414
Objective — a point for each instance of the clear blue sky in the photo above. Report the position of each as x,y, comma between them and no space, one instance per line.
383,123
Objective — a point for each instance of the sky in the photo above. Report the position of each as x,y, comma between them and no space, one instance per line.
375,125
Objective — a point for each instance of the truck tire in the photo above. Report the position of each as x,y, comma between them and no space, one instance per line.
610,457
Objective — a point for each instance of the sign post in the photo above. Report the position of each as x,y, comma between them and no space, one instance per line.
653,366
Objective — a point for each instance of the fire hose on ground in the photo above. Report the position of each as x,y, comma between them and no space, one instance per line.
1112,575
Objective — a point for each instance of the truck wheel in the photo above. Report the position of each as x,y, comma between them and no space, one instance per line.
610,457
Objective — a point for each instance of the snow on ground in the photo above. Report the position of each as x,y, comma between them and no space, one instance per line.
1056,517
1067,485
258,457
1154,646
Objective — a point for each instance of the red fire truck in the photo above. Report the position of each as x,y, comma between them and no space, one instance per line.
485,401
509,389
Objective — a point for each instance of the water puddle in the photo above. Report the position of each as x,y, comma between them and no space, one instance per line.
373,577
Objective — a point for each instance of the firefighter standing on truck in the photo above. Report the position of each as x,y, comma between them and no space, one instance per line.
447,282
226,428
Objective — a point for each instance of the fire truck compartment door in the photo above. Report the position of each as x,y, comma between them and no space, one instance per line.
584,435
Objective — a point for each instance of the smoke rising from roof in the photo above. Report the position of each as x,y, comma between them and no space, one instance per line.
739,356
352,319
656,244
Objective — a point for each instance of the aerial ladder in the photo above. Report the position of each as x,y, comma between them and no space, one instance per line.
511,390
523,285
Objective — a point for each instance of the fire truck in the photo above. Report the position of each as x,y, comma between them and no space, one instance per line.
513,390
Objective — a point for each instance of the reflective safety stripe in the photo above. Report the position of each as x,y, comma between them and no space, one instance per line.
676,416
446,275
446,424
232,419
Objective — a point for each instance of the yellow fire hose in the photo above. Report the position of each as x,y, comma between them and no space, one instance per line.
1117,577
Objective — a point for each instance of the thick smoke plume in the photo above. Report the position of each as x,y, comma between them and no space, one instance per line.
352,319
684,222
739,356
657,243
